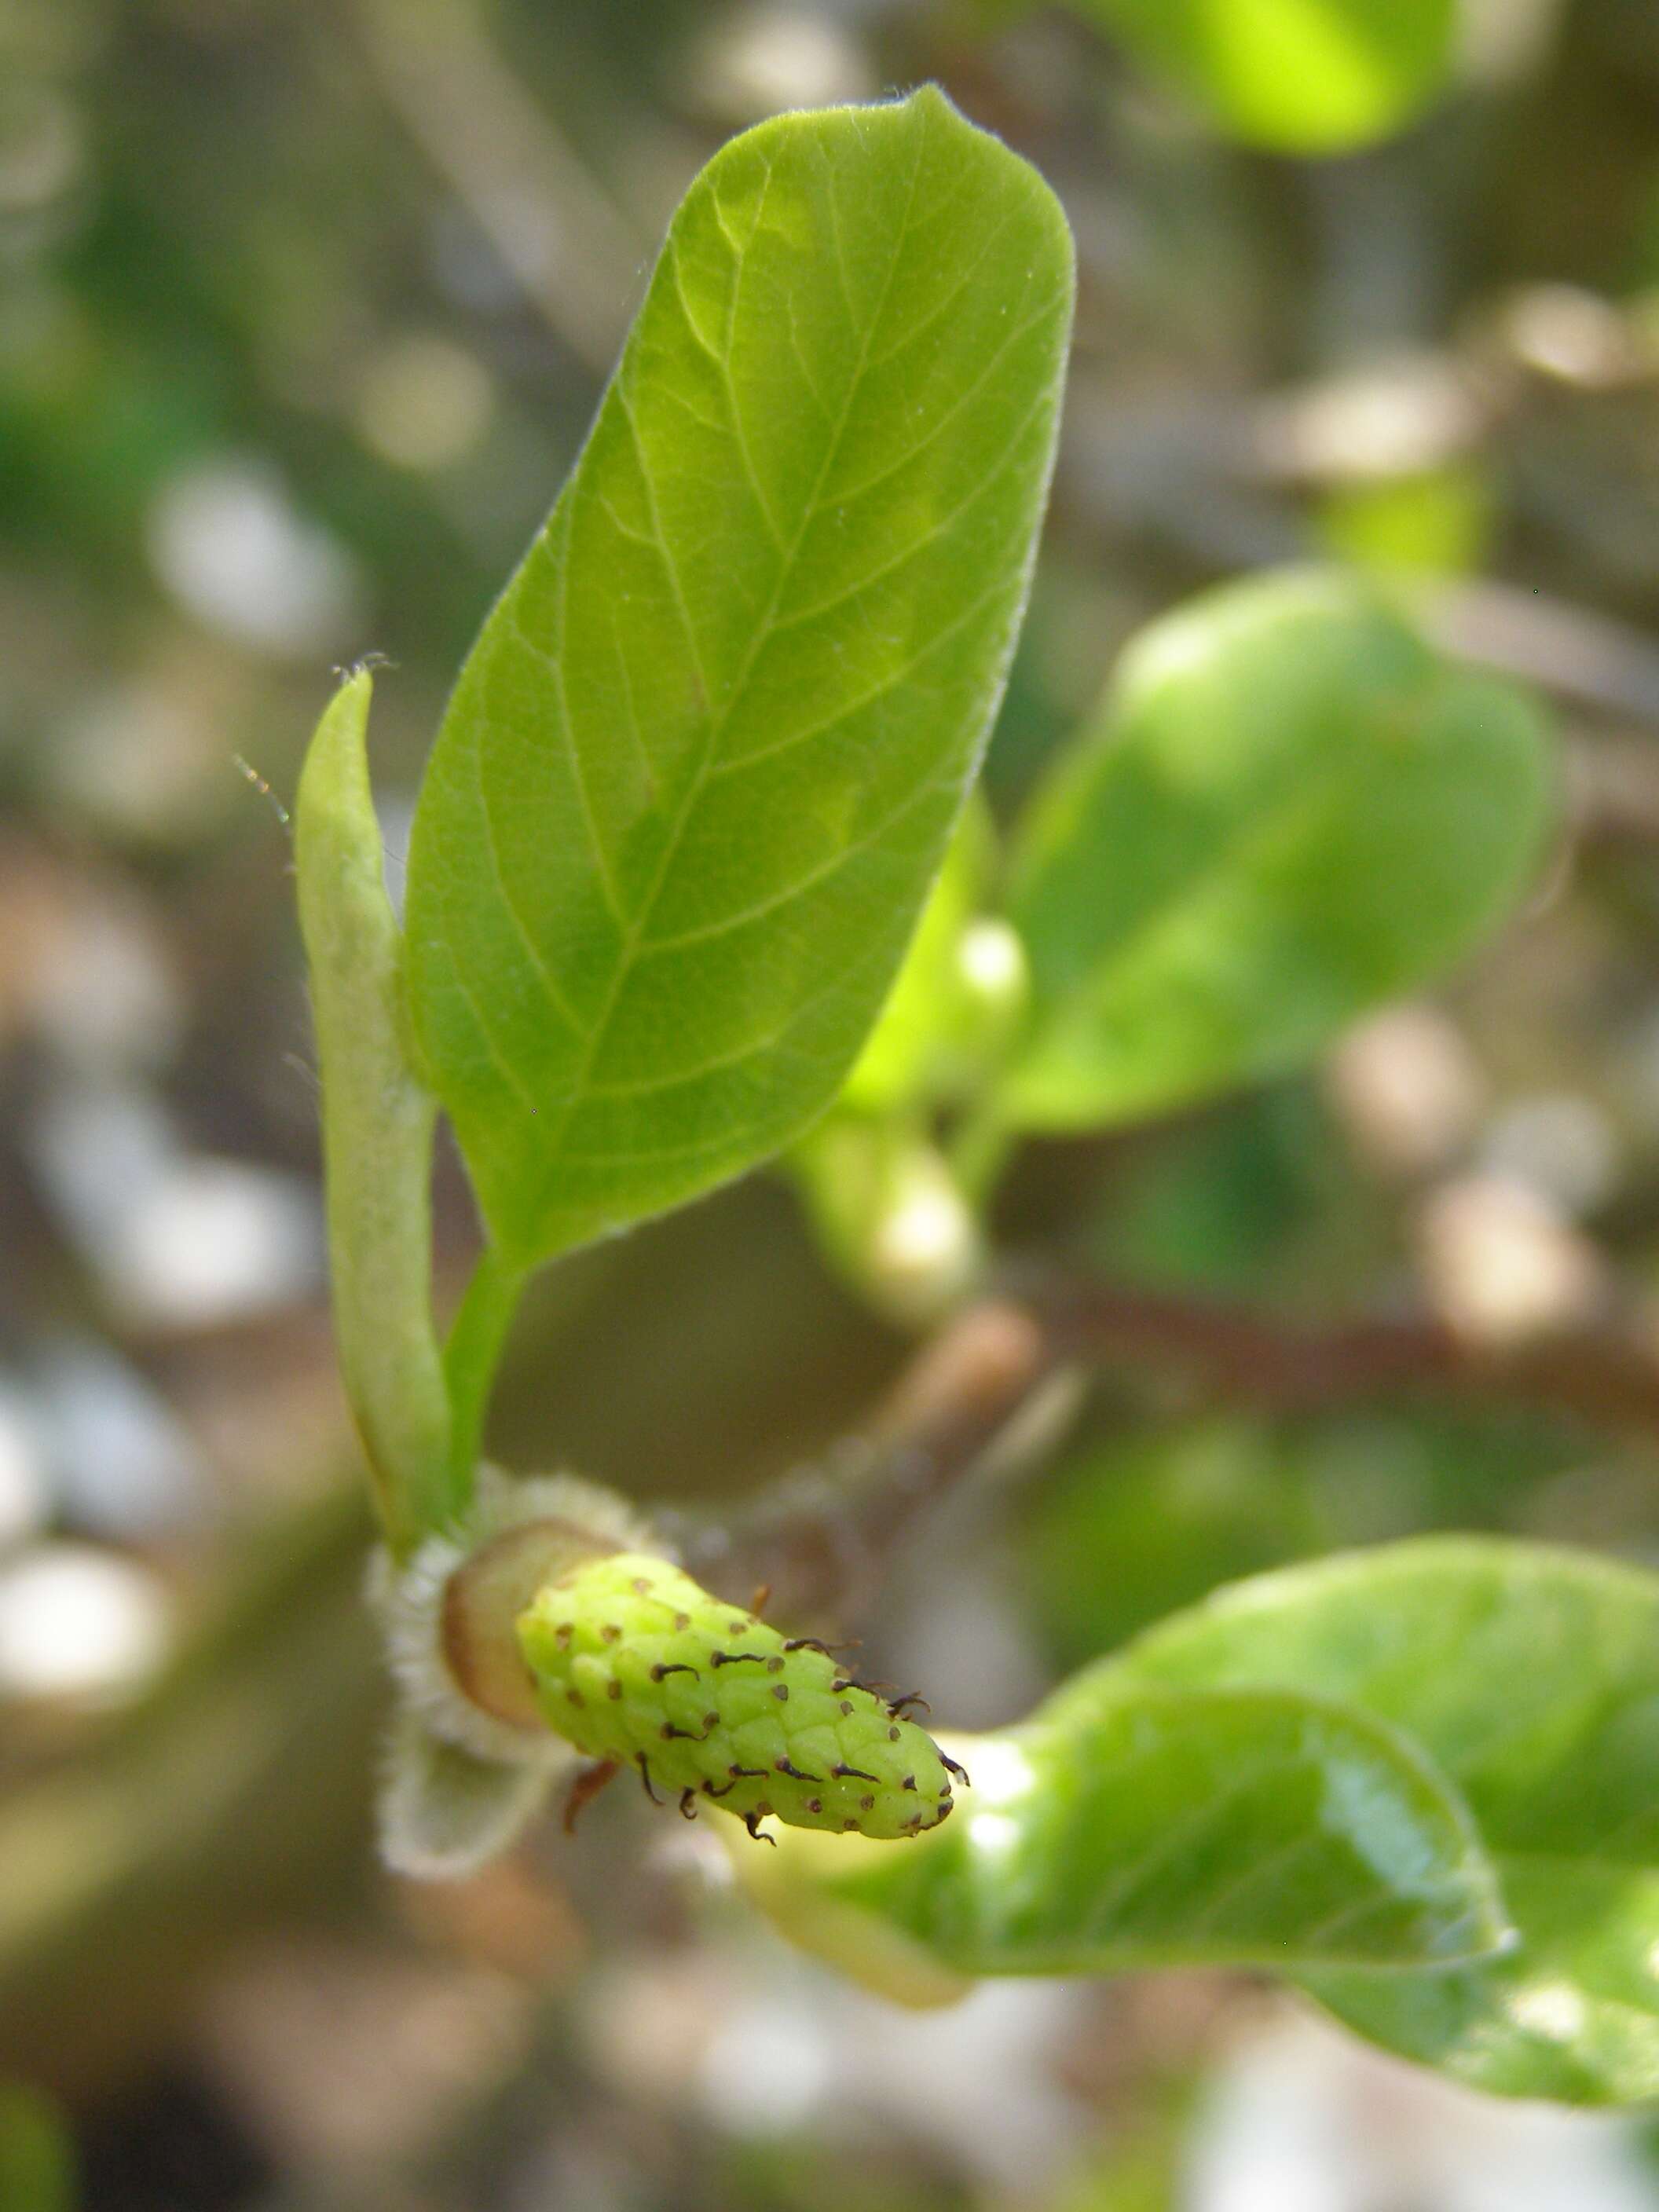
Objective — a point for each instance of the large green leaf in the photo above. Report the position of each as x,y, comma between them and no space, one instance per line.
1300,76
1128,1824
1291,810
1531,1676
700,766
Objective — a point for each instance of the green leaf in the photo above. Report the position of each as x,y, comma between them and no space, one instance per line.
1291,810
1531,1676
1296,76
912,1053
37,2152
1127,1825
700,766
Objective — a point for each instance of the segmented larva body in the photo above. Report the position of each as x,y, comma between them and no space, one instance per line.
634,1664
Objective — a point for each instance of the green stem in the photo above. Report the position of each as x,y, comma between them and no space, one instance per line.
378,1122
979,1149
476,1338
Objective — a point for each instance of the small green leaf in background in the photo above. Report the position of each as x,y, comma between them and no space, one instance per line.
37,2157
1291,810
1531,1676
1439,521
701,765
1128,1825
930,1040
1294,76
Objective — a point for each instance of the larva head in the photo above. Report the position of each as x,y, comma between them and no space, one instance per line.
634,1663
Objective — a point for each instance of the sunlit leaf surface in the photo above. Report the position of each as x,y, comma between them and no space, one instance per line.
701,765
1298,76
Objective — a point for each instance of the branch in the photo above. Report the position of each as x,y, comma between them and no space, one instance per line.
1000,1381
991,1386
571,249
1599,1377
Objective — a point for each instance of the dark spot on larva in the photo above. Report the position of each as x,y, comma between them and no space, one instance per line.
892,1735
774,1666
736,1627
682,1620
849,1824
641,1585
763,1810
909,1783
576,1696
613,1690
711,1720
867,1804
815,1804
846,1704
561,1635
780,1692
611,1633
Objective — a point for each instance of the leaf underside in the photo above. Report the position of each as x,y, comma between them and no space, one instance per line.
702,764
1531,1677
1128,1824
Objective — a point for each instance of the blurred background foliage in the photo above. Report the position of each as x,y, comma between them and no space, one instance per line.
303,309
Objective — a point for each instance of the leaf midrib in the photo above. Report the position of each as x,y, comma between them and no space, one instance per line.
718,723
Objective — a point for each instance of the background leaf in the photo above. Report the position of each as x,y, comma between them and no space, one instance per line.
914,1053
1291,810
1298,76
1532,1677
700,766
1127,1825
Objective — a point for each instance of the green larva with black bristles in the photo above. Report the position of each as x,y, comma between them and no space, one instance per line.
637,1666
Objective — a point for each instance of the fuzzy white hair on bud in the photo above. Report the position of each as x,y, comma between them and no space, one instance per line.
468,1760
442,1812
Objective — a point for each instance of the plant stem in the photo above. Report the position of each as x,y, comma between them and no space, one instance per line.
378,1123
470,1357
979,1149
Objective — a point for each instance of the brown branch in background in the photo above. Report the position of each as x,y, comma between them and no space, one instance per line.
1599,1377
822,1537
573,252
1572,652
